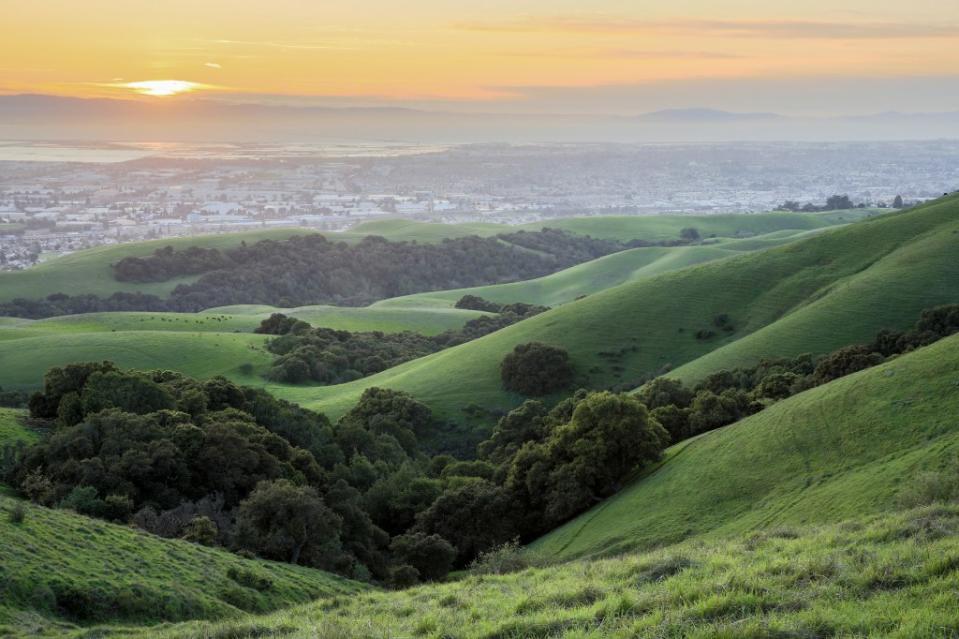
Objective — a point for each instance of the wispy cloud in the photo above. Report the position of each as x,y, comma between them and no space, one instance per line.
213,65
773,29
294,46
624,54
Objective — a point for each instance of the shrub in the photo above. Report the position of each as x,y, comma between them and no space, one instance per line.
404,577
201,530
506,558
431,555
18,513
249,579
536,369
476,303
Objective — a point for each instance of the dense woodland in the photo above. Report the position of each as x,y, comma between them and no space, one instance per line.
218,464
311,269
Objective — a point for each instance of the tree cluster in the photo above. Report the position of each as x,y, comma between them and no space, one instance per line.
729,395
327,356
536,369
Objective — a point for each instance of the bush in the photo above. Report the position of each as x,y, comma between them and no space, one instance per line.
536,369
476,303
201,530
404,577
431,555
507,558
249,579
18,513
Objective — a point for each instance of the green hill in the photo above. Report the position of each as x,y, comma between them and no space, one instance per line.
13,430
596,275
58,569
23,361
846,449
817,294
89,271
892,576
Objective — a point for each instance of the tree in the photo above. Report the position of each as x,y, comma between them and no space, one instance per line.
607,439
536,369
897,203
289,523
473,517
689,234
431,555
839,203
845,361
663,392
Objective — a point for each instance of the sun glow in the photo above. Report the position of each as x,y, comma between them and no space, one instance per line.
162,88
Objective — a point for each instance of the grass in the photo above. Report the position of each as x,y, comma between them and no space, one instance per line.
89,271
895,575
59,569
838,451
13,430
596,275
198,354
837,287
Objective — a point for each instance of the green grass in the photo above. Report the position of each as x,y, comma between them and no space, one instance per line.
891,576
667,227
13,430
837,287
841,450
89,271
198,354
596,275
134,576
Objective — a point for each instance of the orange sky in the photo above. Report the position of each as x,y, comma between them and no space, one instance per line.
440,50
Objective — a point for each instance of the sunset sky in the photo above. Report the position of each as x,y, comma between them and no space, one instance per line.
551,55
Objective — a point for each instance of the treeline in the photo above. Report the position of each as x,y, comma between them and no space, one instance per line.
729,395
217,464
328,356
311,269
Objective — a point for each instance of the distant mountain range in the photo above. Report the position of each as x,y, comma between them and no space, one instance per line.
28,116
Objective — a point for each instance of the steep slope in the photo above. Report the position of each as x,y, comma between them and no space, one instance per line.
58,569
892,576
846,449
836,288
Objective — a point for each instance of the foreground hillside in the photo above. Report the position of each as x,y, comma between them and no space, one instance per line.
58,569
813,295
890,576
849,448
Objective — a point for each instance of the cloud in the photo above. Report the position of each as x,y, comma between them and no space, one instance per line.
294,46
624,53
213,65
771,29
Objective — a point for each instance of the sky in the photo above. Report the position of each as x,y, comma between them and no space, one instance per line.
820,57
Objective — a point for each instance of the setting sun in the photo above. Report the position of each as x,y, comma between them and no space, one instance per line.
162,88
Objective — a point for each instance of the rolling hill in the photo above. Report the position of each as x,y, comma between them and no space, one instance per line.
89,271
128,337
110,573
846,449
817,294
891,576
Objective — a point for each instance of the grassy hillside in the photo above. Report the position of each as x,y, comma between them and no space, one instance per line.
58,569
837,451
838,287
596,275
12,428
199,354
665,227
216,342
89,271
894,576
